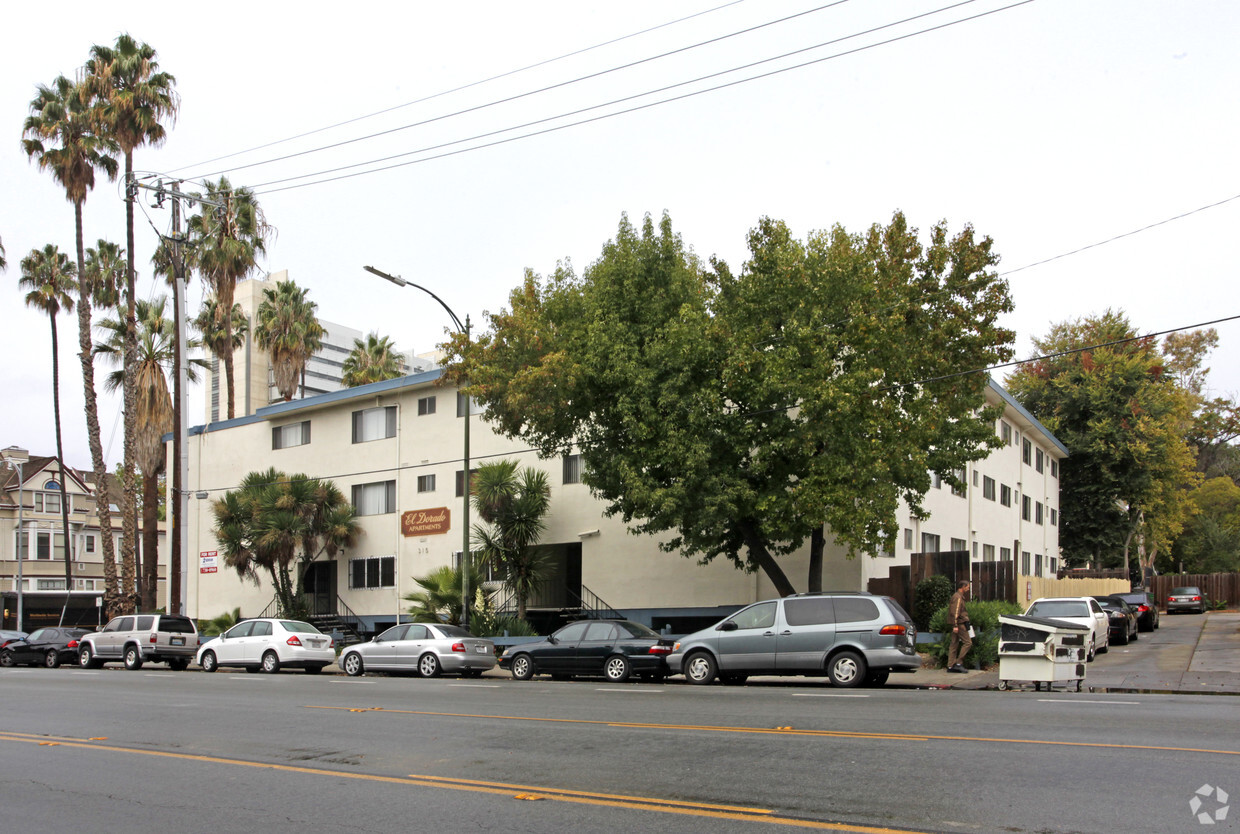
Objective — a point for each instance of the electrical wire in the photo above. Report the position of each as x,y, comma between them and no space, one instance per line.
460,88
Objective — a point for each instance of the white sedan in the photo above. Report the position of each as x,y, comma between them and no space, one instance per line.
269,644
1083,611
425,648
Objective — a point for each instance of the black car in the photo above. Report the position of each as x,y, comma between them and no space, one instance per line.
1121,618
44,647
614,649
1147,609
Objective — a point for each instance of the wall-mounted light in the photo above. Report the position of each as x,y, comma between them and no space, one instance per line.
587,534
202,494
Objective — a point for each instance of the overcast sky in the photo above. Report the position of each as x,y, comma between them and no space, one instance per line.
1049,126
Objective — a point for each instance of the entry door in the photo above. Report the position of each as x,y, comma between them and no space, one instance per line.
320,584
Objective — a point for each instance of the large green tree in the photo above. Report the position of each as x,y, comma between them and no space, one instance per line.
288,329
744,412
513,506
61,134
1211,539
372,360
1106,393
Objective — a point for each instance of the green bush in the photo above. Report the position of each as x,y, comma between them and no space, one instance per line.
985,619
931,594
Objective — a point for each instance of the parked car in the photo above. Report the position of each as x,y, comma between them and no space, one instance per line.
614,649
1122,618
8,636
1147,609
141,638
48,647
1080,610
1187,598
850,638
269,644
425,648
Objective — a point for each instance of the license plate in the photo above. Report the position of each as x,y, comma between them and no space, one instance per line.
178,641
480,649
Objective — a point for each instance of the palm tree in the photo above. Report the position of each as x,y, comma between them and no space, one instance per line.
133,97
47,274
153,418
440,598
60,134
215,337
374,360
514,506
105,272
288,328
229,239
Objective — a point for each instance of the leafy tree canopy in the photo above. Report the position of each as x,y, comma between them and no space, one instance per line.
741,413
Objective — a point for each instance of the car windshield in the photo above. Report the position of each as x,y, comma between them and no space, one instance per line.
299,627
1059,608
638,630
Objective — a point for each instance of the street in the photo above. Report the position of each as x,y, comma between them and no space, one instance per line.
155,750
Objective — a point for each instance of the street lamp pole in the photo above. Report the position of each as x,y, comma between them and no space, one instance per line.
23,544
461,328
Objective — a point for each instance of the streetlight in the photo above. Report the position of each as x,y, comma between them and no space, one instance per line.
461,328
22,548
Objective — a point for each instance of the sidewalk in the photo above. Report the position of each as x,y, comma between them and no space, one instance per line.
1202,658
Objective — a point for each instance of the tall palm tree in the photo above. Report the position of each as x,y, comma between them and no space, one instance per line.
288,328
514,506
215,337
153,420
60,135
105,271
133,99
47,274
229,239
374,360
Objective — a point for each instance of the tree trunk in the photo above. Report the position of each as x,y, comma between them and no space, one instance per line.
760,556
129,485
228,374
150,540
114,599
817,542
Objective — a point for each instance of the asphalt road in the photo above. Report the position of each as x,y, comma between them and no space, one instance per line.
117,751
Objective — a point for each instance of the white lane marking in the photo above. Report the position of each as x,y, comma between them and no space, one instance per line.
1069,701
825,695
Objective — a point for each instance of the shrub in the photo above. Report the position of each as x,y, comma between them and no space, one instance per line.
985,619
931,594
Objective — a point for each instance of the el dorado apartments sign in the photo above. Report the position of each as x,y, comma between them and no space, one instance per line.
425,522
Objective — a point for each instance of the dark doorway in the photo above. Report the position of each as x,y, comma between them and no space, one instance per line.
319,582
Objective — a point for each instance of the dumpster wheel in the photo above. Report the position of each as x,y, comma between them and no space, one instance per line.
1003,686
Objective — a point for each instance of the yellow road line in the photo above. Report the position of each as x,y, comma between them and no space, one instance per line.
786,731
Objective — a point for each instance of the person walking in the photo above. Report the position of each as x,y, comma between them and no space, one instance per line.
962,631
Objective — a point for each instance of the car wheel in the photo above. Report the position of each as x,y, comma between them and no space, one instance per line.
1124,641
271,663
700,668
617,668
6,658
209,662
1091,652
846,669
179,665
428,665
353,666
733,680
133,658
876,678
87,659
522,667
52,659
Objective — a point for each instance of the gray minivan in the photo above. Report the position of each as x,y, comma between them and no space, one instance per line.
852,638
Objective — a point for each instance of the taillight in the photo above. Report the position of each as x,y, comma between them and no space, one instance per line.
293,641
458,647
1196,599
1143,609
154,637
893,629
72,644
659,648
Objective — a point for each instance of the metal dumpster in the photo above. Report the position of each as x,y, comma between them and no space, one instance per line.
1041,650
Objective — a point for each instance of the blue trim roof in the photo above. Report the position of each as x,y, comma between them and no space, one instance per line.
1020,409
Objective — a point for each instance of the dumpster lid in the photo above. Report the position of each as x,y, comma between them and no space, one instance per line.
1044,622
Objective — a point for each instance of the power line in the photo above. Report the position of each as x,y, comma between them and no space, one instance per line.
663,101
462,87
538,91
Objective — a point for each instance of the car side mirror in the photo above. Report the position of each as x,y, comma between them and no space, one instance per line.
728,626
553,640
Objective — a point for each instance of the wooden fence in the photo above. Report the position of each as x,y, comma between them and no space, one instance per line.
1218,586
991,580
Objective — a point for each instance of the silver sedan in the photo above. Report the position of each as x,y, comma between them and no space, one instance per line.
429,649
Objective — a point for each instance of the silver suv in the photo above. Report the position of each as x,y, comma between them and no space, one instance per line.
850,638
138,638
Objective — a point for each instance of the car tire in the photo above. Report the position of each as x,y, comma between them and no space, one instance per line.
428,666
846,669
6,658
1091,652
179,665
271,662
209,662
353,665
52,659
133,658
522,667
1124,641
700,668
87,659
617,668
874,678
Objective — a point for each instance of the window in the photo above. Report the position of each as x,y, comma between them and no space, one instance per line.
963,477
855,610
460,481
1037,564
1025,504
976,475
261,630
90,542
1005,554
1054,468
1005,432
374,424
426,483
988,488
908,539
1054,517
1038,459
988,553
1026,451
52,505
959,544
426,406
572,469
808,611
761,615
1037,512
929,543
474,407
375,499
935,480
1024,562
294,434
49,585
372,572
1005,495
975,546
23,545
